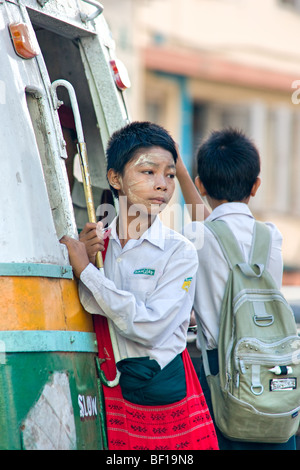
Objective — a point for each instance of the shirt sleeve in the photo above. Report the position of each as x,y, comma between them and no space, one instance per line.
164,310
275,265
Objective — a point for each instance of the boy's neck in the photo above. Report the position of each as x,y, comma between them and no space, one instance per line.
214,203
132,227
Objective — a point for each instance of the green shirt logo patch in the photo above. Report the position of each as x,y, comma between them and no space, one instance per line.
147,271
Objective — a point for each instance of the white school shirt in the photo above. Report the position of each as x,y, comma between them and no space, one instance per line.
147,292
213,269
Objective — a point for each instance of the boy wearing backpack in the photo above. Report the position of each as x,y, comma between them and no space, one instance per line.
228,176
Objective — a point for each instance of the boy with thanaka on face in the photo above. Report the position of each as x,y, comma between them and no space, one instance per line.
147,291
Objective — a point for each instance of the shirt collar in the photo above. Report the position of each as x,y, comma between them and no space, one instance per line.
113,229
229,208
155,233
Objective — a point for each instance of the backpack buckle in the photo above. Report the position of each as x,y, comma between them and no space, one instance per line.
256,386
259,391
263,318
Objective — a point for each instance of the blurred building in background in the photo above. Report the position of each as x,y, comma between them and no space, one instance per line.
198,65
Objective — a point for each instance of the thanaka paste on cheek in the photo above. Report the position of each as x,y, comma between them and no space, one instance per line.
140,186
130,190
135,182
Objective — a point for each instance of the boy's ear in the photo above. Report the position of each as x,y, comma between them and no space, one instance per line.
255,187
200,186
113,178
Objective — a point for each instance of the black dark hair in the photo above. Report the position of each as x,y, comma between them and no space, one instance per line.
228,165
124,143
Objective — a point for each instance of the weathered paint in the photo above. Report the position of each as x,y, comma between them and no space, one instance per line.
44,332
43,389
36,303
46,341
36,269
50,423
50,393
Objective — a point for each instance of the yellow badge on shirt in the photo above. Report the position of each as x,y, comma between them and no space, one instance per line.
186,284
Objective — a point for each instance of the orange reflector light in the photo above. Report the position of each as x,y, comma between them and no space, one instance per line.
120,74
25,46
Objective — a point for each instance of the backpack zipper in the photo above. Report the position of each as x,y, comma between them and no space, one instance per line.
248,295
265,359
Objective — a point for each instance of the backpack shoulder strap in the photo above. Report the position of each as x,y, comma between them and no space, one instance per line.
261,245
227,242
260,249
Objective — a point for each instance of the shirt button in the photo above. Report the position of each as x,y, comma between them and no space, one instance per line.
119,260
